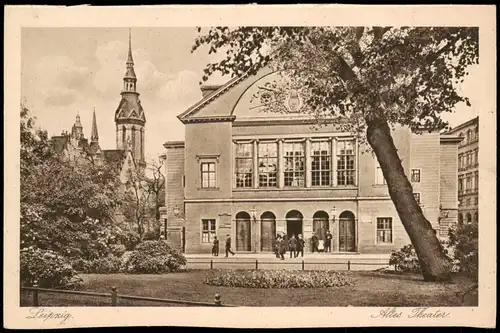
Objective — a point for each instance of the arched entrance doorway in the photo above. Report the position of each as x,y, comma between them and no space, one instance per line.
320,224
347,232
243,232
267,231
469,218
294,220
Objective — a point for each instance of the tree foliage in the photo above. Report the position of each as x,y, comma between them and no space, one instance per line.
66,206
405,75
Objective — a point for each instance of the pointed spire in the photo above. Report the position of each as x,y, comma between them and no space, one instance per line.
94,136
130,73
130,59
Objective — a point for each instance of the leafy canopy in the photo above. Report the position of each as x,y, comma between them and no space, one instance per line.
404,75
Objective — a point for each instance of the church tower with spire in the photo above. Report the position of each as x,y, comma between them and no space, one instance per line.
130,119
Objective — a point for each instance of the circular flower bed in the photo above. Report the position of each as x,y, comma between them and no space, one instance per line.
279,279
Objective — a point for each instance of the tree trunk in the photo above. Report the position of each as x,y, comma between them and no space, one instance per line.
433,262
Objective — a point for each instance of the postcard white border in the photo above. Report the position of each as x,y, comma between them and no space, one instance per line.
232,15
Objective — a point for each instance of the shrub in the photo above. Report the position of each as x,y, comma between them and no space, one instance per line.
406,260
117,250
130,239
280,279
105,265
47,267
463,239
154,257
81,265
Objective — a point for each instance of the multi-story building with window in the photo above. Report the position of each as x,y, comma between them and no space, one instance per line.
468,170
253,174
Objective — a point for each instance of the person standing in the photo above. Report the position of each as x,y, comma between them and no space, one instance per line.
215,247
328,241
300,246
277,246
314,241
292,246
282,248
228,245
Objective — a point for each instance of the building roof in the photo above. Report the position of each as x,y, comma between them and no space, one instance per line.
464,125
60,142
114,155
130,108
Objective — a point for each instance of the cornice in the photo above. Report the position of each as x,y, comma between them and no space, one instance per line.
286,122
208,119
174,144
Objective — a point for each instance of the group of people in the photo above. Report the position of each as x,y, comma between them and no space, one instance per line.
294,245
215,247
322,245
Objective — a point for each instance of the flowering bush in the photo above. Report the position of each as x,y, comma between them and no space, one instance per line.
406,260
47,267
282,279
154,257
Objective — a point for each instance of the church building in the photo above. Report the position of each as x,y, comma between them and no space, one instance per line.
130,123
254,174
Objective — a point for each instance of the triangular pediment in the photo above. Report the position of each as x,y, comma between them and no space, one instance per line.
248,97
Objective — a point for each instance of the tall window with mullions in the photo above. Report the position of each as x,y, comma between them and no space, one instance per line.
294,158
244,165
320,163
346,165
268,164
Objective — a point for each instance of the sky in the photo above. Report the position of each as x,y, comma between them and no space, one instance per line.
66,71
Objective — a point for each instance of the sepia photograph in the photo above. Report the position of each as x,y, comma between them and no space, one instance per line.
251,166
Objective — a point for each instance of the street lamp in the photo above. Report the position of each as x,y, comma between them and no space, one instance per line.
176,210
333,213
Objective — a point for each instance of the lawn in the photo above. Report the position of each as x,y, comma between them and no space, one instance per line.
370,288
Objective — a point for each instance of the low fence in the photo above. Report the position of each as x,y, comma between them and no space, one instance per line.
300,265
113,297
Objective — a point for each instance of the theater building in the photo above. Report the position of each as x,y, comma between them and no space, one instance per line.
253,174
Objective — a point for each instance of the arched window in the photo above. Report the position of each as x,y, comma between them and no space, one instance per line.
476,217
133,141
469,135
460,218
124,137
468,217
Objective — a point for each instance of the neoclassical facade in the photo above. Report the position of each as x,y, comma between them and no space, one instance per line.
252,174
